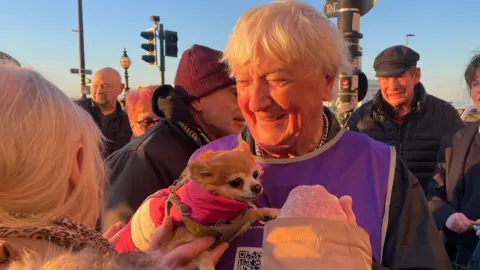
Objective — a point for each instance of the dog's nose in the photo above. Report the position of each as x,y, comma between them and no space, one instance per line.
256,189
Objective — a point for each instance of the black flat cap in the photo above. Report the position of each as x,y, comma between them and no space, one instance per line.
395,61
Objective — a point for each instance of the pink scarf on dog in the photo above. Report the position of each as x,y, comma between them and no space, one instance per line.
206,208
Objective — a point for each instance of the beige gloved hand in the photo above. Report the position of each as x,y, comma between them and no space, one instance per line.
316,230
316,201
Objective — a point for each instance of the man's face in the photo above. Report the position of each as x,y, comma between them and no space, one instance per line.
106,86
399,91
220,112
278,101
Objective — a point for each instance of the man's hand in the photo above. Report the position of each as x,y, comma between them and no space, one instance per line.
476,227
180,257
459,223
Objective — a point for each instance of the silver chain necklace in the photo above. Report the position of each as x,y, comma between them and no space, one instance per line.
326,125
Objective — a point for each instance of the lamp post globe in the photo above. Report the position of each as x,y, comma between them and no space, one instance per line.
125,62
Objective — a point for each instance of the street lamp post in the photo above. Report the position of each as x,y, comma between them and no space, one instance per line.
125,63
406,38
81,47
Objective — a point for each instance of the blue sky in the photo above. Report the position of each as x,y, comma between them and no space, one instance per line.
39,34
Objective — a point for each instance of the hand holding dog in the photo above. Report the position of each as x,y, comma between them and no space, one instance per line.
114,232
316,201
182,256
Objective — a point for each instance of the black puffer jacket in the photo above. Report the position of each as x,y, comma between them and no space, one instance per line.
417,140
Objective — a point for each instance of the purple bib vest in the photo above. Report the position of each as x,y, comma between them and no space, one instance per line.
350,164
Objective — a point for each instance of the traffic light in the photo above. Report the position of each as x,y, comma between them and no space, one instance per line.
151,46
171,43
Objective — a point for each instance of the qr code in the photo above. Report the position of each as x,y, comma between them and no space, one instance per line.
248,258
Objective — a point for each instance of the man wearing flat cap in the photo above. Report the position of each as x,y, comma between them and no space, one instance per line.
403,115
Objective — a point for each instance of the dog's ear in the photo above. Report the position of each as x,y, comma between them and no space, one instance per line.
207,155
243,147
200,170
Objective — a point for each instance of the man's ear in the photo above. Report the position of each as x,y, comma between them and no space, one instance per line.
417,75
327,94
120,89
200,170
197,105
243,147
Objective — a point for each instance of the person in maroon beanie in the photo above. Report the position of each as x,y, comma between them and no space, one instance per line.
200,108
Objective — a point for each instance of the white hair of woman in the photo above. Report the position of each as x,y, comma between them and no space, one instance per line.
50,162
291,33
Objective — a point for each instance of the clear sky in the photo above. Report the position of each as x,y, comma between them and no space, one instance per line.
39,34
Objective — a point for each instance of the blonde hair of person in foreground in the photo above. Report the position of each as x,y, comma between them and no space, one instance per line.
84,260
50,162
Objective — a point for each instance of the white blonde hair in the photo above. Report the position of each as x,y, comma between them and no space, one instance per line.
63,259
86,259
290,32
41,132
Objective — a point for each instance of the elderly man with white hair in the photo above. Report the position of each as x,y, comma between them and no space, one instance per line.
285,57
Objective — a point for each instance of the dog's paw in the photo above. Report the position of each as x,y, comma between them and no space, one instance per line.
264,214
269,214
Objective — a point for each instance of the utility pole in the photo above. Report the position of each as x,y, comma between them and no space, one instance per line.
81,48
161,36
349,13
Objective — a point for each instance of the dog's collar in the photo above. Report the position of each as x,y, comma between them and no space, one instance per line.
223,231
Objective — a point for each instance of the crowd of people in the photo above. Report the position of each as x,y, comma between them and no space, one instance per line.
393,189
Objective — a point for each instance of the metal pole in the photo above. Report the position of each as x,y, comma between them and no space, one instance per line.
349,25
161,36
82,49
126,80
406,40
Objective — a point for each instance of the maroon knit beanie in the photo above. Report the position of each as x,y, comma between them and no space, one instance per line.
200,73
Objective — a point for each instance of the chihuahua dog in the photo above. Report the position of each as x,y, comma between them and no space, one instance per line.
229,178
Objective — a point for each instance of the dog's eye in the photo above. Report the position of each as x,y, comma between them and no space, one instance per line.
206,174
237,182
255,174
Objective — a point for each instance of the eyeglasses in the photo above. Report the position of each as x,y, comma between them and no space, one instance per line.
148,122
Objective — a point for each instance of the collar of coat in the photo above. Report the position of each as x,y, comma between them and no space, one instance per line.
458,147
379,105
118,108
63,232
